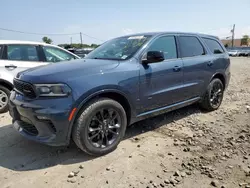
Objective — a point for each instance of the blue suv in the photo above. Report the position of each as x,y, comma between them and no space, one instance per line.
125,80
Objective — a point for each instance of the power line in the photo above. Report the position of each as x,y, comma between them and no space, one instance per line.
54,34
36,33
92,37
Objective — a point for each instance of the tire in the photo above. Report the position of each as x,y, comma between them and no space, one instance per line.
4,99
91,116
206,102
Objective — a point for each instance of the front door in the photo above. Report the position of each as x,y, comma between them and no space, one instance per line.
161,83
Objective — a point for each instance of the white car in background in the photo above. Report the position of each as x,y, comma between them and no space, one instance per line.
16,56
233,53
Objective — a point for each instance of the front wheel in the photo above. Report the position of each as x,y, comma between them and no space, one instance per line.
4,98
100,126
213,96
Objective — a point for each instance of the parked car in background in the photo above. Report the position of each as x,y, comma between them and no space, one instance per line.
72,50
125,80
16,56
246,52
233,52
83,52
241,52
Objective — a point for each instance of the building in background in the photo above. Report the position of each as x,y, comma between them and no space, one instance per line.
228,42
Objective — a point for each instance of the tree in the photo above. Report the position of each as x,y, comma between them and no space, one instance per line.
78,45
47,40
245,40
67,46
94,45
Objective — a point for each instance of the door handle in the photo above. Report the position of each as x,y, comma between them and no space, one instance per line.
10,66
210,63
176,68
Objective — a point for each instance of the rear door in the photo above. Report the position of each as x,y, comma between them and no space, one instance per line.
196,60
18,57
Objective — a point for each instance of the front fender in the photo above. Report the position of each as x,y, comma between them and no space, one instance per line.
83,100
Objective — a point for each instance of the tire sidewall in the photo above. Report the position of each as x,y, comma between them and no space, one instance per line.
210,87
7,92
84,141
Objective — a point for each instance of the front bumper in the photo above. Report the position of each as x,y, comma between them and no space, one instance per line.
42,120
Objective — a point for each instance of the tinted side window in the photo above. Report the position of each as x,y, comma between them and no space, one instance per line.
214,46
56,55
190,46
22,53
165,44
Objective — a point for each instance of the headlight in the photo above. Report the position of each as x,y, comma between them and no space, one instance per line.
52,90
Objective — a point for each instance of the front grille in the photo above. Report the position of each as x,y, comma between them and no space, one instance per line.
29,128
25,88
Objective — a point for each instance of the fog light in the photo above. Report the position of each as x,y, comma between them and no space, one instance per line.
42,117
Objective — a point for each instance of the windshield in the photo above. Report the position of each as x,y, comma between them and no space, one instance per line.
120,48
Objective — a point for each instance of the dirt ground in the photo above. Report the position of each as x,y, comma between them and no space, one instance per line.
185,148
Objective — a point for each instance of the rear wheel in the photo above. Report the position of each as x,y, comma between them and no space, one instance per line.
100,127
4,99
213,96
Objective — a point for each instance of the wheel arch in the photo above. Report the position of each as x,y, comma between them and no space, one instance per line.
6,84
221,77
114,94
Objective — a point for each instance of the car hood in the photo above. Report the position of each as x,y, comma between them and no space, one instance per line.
64,71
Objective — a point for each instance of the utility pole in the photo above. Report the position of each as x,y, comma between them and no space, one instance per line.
81,38
71,40
233,35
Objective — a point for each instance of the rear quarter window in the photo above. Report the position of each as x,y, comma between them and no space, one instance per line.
214,46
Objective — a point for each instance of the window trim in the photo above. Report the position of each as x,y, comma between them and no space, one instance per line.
41,53
1,51
5,53
153,40
199,40
215,41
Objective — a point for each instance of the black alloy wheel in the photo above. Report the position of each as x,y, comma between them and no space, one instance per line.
213,96
104,127
100,126
216,94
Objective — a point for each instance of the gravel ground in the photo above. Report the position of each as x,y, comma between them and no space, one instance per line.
184,148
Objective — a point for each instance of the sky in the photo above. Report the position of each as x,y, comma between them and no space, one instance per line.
106,19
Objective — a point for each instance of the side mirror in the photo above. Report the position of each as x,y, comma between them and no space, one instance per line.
217,51
153,57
